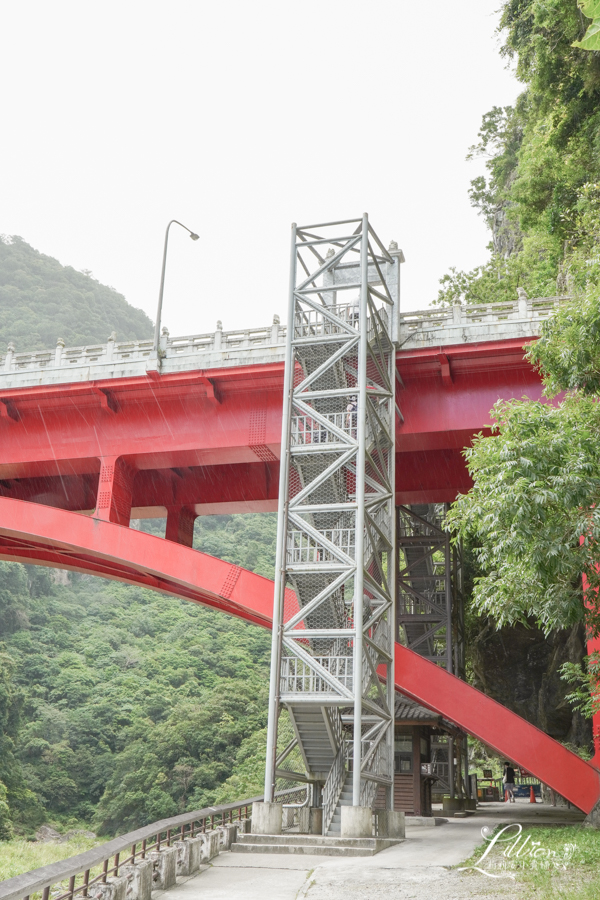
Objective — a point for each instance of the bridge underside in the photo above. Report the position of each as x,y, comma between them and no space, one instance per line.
209,442
112,551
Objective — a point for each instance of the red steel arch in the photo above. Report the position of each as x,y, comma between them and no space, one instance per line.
103,548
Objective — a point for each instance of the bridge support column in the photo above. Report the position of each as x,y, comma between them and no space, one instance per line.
267,818
180,525
115,490
357,822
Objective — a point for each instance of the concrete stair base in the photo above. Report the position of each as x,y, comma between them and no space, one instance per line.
313,844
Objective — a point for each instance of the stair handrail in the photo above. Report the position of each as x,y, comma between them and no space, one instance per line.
335,726
333,786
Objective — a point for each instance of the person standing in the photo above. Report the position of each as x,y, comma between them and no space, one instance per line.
508,780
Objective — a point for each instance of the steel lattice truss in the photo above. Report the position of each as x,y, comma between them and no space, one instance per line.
334,587
429,604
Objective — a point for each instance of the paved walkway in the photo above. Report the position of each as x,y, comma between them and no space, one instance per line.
417,869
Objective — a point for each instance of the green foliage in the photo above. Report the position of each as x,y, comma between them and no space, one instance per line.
134,706
536,490
585,679
540,154
6,828
591,39
41,301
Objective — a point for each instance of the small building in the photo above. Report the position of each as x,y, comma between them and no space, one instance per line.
425,745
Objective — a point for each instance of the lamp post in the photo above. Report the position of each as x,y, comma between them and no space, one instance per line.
194,237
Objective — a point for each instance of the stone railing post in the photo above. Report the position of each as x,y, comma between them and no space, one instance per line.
8,359
164,342
457,314
275,330
164,863
139,879
110,346
60,346
218,336
523,303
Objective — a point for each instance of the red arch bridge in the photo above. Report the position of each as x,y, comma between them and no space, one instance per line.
93,437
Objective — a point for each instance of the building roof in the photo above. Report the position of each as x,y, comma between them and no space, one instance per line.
410,710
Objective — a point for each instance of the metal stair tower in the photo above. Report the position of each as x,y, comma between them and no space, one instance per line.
334,605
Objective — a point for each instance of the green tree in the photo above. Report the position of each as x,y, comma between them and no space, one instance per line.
534,510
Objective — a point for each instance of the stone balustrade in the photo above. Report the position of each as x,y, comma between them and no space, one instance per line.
437,326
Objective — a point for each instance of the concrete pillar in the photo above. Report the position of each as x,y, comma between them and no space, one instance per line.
357,822
390,823
457,314
275,330
453,804
228,835
218,336
189,853
210,845
165,868
310,820
139,879
267,818
114,889
304,820
315,820
8,359
180,525
592,820
60,346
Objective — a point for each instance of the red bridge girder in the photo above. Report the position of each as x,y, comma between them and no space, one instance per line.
52,537
209,441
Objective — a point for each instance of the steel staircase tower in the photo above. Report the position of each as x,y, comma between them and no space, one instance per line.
333,619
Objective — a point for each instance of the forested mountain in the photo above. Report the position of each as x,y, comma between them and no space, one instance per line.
41,301
118,706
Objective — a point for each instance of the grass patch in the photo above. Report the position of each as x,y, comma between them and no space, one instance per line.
552,862
19,856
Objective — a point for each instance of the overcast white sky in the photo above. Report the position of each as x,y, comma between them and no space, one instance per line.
239,118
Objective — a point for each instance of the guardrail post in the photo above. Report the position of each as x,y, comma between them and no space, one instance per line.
139,879
275,330
60,346
218,336
165,867
189,852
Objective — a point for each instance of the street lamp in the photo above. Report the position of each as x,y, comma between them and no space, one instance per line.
194,237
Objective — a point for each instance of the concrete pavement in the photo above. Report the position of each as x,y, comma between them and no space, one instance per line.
420,868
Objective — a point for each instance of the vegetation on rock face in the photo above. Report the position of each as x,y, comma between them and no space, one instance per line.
534,510
42,301
542,159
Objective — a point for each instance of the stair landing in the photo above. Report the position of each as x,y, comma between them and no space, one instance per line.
313,844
